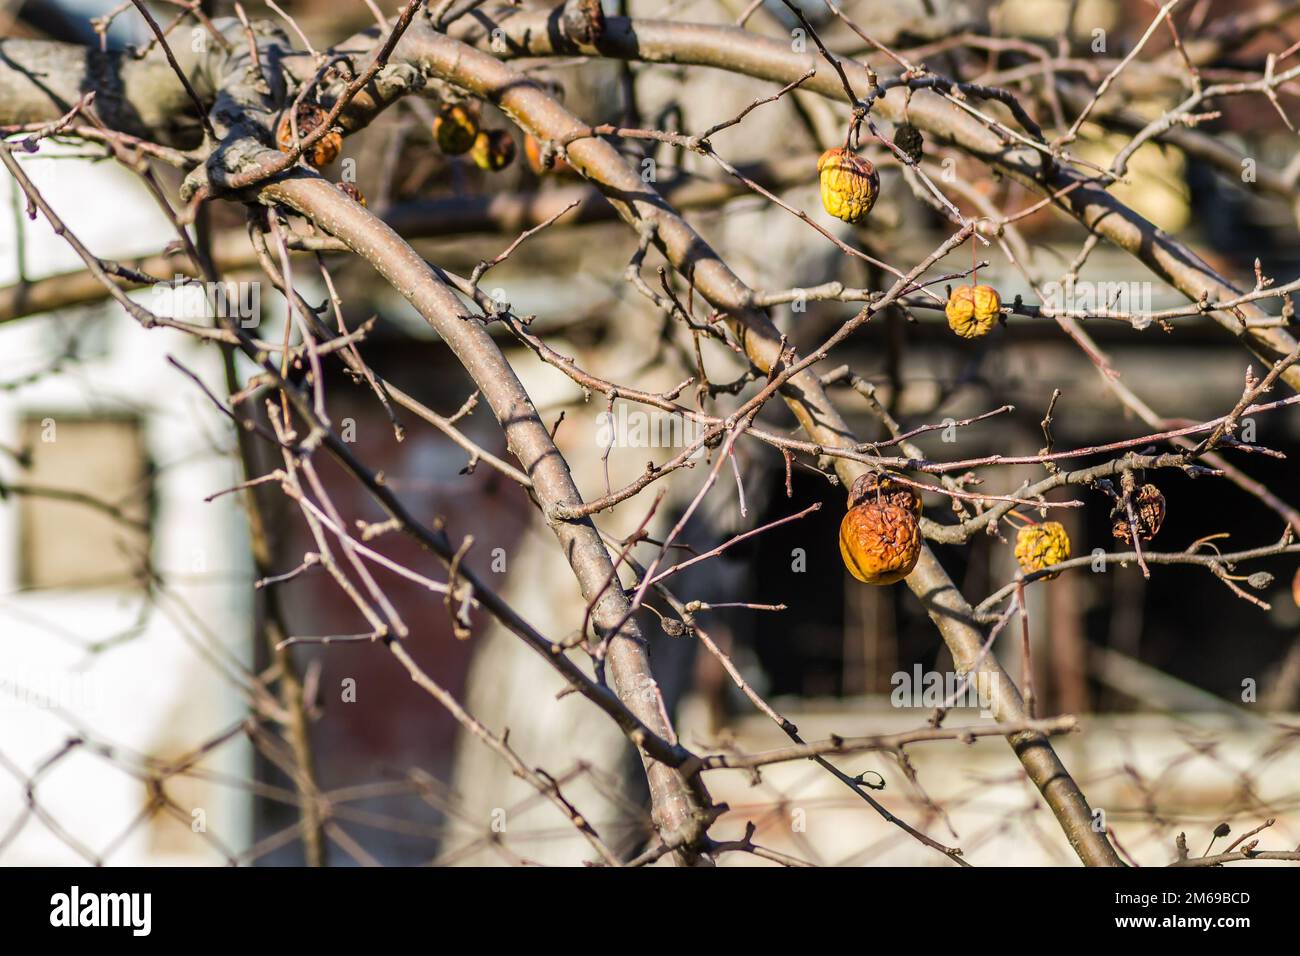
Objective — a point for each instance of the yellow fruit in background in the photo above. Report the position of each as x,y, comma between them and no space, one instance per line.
849,184
494,150
972,310
1156,178
1040,546
454,130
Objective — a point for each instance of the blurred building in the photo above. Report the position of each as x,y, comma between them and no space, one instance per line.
124,620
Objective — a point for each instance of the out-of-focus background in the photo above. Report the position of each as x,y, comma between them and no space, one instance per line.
127,639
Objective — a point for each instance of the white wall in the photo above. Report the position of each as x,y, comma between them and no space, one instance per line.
160,693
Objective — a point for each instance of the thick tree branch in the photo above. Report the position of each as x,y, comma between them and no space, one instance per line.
639,205
678,807
534,33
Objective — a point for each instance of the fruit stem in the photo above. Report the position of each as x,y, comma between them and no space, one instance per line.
1027,520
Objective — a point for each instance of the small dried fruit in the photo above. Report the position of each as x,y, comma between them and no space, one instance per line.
849,184
880,538
908,138
538,157
494,149
310,117
352,192
1148,509
671,626
1040,546
583,21
972,310
454,129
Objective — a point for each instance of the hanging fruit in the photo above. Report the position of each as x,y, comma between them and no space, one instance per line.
1148,509
880,537
494,150
849,184
310,117
908,138
1040,546
454,129
972,310
538,157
